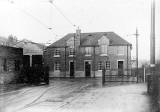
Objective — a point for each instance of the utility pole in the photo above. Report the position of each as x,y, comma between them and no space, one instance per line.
137,54
154,82
152,36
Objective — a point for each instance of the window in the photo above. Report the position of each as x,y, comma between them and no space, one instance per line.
100,65
71,51
120,50
57,66
88,51
57,53
103,49
108,65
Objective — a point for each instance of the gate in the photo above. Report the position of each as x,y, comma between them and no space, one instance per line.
117,75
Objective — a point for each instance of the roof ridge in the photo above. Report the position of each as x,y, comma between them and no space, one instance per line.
88,39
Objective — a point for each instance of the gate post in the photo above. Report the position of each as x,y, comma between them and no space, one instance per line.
103,75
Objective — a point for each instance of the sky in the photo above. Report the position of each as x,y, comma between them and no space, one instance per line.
31,19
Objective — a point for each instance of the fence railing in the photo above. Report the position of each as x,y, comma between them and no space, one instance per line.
125,75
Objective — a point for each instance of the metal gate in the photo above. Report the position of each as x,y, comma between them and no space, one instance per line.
118,75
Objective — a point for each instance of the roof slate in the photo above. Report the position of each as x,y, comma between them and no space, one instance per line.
91,39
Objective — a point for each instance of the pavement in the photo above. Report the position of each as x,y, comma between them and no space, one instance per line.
78,95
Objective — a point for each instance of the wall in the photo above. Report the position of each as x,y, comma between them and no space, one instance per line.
9,73
49,60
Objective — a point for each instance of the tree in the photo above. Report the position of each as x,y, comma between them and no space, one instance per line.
12,40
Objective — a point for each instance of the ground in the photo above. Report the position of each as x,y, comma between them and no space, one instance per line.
77,95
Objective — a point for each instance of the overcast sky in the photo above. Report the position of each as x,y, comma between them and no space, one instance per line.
31,19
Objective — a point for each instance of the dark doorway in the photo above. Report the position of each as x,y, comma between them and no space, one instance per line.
87,68
120,68
26,62
71,69
36,60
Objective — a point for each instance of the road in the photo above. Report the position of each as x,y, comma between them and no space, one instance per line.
77,95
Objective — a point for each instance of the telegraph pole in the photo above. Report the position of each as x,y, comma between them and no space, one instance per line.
152,36
154,82
137,53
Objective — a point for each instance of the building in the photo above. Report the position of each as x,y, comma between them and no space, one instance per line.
33,52
10,63
85,54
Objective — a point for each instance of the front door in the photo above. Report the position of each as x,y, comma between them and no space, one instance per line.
87,68
120,68
71,69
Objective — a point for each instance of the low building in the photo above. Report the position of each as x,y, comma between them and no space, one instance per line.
33,52
11,60
85,54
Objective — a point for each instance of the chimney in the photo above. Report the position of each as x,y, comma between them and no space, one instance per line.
78,37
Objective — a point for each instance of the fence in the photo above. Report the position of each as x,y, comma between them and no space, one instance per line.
127,75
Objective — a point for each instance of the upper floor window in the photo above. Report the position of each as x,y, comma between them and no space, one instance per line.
103,49
120,50
57,53
108,65
100,65
88,51
71,51
57,66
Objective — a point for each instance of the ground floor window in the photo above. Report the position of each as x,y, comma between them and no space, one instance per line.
108,65
100,65
57,66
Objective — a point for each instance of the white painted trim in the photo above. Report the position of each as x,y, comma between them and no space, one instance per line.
71,55
56,56
103,54
88,55
152,65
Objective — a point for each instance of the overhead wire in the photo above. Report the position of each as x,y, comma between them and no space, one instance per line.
61,12
33,17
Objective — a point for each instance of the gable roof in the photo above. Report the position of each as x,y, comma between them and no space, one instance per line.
91,39
30,47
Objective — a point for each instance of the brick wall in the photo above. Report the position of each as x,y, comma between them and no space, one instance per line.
8,58
49,59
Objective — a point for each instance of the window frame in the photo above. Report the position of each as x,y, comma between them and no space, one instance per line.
104,50
57,53
72,51
100,65
88,51
57,65
108,65
122,49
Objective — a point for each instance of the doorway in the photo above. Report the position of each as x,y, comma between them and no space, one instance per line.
88,68
120,68
71,68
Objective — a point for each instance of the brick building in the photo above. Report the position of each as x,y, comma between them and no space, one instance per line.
85,54
10,63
